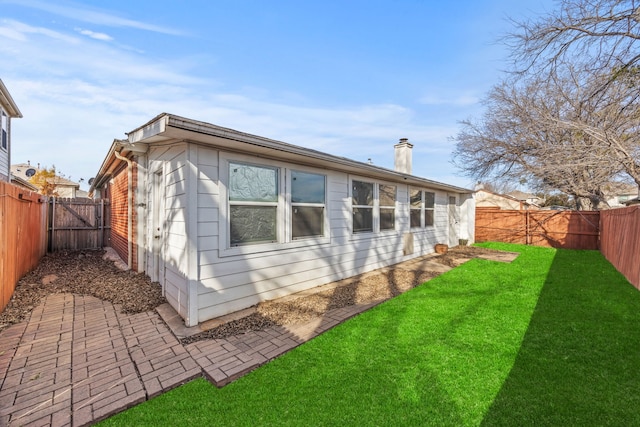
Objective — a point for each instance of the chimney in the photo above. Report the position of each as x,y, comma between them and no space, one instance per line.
403,156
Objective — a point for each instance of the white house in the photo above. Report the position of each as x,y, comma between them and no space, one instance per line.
8,111
224,219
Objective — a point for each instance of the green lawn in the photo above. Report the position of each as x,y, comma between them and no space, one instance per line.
550,339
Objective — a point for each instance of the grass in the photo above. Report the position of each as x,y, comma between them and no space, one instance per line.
550,339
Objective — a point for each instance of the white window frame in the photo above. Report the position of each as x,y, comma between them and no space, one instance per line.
283,222
394,207
292,205
4,130
423,207
375,208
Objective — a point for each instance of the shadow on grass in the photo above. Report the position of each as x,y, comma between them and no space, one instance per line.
579,362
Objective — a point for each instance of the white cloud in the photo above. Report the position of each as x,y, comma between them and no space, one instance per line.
78,94
94,35
94,16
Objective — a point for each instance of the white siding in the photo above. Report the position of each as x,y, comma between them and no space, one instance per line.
204,278
171,162
4,163
229,281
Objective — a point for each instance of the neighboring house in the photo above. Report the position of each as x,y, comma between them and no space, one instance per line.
8,111
63,187
489,199
528,198
225,220
618,194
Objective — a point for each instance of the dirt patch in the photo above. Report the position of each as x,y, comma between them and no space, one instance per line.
368,288
88,273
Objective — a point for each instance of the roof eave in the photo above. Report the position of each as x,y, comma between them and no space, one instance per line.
8,102
166,126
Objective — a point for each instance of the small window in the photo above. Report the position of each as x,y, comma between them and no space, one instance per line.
5,130
387,198
429,208
362,203
415,205
253,204
308,194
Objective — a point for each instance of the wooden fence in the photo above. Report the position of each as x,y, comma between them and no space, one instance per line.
558,229
76,224
23,240
620,241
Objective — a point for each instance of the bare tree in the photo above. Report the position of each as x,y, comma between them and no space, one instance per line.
601,33
545,131
568,117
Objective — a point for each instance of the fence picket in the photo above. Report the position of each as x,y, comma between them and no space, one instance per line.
22,235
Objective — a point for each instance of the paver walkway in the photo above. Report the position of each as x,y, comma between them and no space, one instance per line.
78,360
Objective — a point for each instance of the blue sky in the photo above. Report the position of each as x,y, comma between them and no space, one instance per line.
345,77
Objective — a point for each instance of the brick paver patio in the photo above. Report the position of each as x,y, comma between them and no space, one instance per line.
78,360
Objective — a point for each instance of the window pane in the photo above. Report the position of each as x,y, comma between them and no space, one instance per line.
415,198
249,183
387,195
362,219
252,224
307,187
387,219
362,193
307,221
415,217
428,218
429,200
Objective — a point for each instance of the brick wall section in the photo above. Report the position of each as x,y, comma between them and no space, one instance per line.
117,193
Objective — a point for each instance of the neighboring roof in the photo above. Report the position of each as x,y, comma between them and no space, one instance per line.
167,128
26,171
506,196
614,189
521,195
23,183
8,103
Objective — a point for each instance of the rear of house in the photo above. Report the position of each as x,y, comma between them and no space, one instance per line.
224,220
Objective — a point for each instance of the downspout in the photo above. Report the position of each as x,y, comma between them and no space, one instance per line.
129,208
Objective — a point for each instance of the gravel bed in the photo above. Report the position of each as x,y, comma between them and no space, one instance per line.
86,272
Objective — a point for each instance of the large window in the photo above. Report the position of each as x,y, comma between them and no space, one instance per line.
362,203
422,208
387,200
253,203
308,193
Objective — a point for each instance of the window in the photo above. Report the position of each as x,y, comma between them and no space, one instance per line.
429,208
421,205
362,203
415,205
387,200
253,203
308,192
5,130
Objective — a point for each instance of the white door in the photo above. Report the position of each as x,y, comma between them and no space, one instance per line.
157,230
454,221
